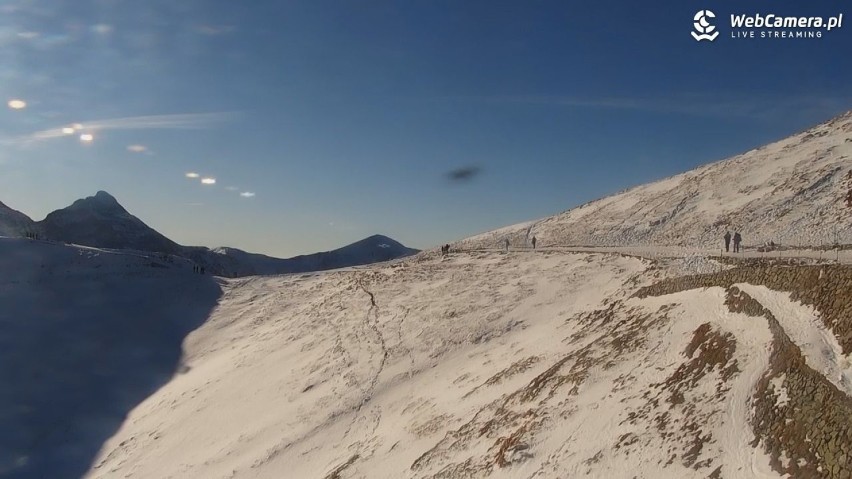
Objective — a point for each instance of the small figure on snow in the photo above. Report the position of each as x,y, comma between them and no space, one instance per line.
533,242
727,241
737,240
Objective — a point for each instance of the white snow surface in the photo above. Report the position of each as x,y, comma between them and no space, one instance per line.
301,376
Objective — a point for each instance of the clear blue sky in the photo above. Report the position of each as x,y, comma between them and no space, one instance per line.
344,117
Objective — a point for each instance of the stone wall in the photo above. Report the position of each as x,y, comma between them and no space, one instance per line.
826,287
810,423
800,418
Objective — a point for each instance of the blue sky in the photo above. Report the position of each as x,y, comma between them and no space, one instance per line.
343,118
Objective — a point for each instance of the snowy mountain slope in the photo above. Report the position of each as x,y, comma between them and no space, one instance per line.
335,368
482,365
792,192
100,221
538,364
85,335
13,222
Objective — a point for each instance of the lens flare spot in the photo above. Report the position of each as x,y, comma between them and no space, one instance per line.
208,181
87,137
68,130
137,148
17,104
247,194
192,174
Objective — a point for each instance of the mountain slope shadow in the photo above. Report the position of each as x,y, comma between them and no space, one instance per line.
85,336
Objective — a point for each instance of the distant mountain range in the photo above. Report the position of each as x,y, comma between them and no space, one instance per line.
100,221
232,262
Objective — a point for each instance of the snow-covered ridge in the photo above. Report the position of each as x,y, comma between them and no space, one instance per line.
791,192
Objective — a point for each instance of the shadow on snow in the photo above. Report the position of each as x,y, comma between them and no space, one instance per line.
84,340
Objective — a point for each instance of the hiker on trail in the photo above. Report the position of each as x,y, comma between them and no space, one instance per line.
533,242
737,240
506,242
445,249
727,241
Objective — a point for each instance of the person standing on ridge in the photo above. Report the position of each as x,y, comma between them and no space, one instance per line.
506,243
533,242
727,241
737,240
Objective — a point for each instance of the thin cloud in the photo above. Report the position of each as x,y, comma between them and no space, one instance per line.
232,188
181,121
247,194
137,148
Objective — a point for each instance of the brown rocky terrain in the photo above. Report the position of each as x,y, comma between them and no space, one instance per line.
802,420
